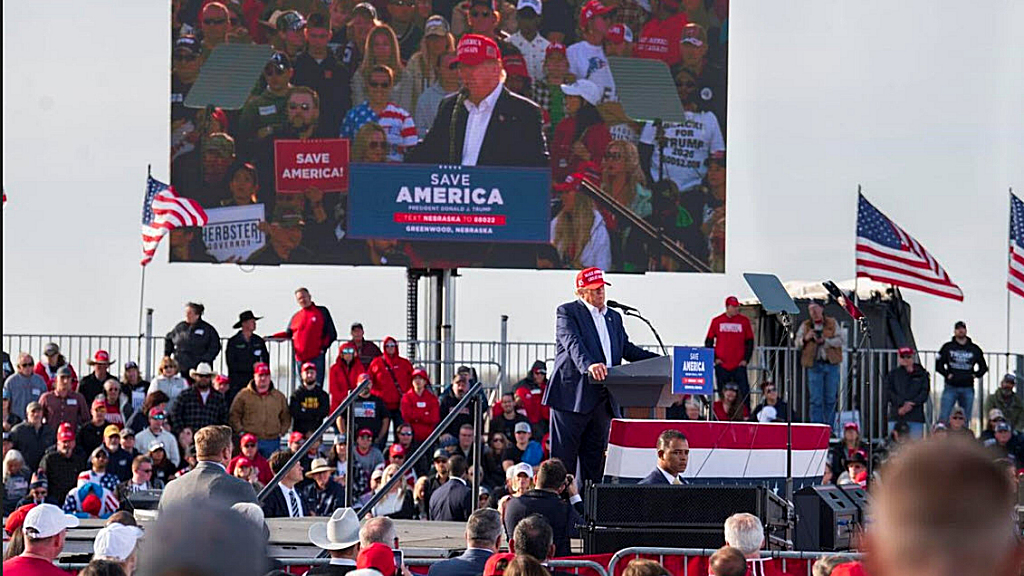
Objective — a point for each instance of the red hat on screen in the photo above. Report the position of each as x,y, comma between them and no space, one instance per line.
555,47
592,9
497,563
396,450
515,65
377,556
65,433
295,437
591,277
261,368
572,182
248,439
619,34
91,505
308,366
476,49
732,301
17,518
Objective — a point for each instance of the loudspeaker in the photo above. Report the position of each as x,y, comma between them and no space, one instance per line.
825,518
622,515
859,497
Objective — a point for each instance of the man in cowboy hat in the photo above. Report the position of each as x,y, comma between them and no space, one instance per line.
92,385
244,349
200,405
340,537
325,495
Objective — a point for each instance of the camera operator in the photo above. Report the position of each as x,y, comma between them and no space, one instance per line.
821,339
552,483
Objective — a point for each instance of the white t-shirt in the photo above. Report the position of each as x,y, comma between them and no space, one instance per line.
589,61
689,145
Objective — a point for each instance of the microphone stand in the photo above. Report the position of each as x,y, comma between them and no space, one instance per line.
635,314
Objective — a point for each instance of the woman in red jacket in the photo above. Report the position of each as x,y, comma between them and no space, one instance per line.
582,135
420,407
392,377
344,374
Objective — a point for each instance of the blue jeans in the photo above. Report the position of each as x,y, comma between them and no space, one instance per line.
823,388
268,447
319,362
916,429
964,396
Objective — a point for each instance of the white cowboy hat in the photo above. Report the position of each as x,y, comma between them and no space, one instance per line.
203,369
338,533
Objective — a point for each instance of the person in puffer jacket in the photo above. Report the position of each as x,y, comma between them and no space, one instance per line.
392,378
193,340
961,361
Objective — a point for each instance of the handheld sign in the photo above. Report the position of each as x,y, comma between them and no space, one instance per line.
693,370
318,163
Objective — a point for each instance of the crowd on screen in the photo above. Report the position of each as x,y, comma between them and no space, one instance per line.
377,72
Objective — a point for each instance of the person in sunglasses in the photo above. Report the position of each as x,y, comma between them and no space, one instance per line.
23,386
378,107
215,22
264,114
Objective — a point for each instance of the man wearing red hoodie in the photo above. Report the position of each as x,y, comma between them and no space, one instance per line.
311,331
420,407
345,374
392,378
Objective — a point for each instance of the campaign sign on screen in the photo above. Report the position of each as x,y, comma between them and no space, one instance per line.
232,234
693,370
319,163
460,203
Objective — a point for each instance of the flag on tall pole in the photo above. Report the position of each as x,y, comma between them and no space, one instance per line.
886,253
1015,279
163,210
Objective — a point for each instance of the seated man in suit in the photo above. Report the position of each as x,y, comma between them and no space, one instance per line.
546,500
209,479
673,454
483,539
590,340
453,501
285,501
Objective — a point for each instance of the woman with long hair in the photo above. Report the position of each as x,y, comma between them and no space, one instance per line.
582,135
623,179
169,381
422,67
16,479
371,144
140,418
397,504
382,49
578,231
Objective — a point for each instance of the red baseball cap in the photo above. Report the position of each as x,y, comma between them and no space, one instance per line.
248,438
65,432
619,34
307,366
515,65
853,425
497,563
296,437
91,505
905,351
261,368
572,182
555,47
364,432
243,461
732,301
156,412
396,450
591,277
590,10
421,373
377,556
476,49
220,379
99,403
17,518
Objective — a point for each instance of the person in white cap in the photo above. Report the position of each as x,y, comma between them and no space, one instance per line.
45,529
582,135
340,537
527,40
117,542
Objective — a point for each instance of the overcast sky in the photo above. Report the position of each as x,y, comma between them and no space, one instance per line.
921,102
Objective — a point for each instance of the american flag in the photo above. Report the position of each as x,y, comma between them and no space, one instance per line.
886,253
1015,281
162,211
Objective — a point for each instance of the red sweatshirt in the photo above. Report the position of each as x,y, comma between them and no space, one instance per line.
311,331
343,378
421,412
391,375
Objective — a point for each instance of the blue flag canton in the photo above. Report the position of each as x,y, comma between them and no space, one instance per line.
153,187
1017,221
874,226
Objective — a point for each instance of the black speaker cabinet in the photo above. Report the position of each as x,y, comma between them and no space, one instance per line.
825,518
859,497
602,540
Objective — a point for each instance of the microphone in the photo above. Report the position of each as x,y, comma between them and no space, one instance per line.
622,307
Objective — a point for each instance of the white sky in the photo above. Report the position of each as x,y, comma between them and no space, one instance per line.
920,101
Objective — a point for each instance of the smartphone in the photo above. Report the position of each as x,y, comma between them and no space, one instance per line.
399,561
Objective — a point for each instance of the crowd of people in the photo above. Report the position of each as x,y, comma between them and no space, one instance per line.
381,74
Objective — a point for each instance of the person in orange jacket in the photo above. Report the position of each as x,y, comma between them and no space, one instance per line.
344,374
420,407
392,377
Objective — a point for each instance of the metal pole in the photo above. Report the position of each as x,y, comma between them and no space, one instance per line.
503,356
149,343
448,287
478,427
437,334
412,283
315,435
350,423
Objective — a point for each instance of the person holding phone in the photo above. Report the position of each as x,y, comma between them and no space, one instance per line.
552,483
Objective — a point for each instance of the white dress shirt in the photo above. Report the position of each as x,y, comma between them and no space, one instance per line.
671,479
287,500
601,323
534,51
342,562
476,125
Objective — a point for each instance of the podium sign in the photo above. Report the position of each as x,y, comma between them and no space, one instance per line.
693,370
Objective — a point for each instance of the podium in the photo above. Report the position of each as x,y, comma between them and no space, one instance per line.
644,384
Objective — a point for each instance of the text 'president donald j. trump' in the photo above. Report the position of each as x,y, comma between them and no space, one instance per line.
590,339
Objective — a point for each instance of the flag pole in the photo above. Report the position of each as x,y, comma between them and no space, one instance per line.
1009,262
142,283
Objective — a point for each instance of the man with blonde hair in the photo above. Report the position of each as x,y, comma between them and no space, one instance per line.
944,508
209,479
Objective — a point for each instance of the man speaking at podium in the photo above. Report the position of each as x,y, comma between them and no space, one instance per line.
590,339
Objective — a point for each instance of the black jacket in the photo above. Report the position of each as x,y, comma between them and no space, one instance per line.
275,506
901,386
241,356
514,136
33,443
62,473
308,408
656,477
563,517
957,361
192,344
452,502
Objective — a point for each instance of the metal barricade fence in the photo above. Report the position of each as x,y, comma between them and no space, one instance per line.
662,553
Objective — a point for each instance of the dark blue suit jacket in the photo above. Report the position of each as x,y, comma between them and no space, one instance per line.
452,502
577,347
656,477
471,563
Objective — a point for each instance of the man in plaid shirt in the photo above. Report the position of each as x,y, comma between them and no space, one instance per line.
547,91
201,405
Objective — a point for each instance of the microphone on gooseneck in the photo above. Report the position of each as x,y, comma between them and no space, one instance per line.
622,307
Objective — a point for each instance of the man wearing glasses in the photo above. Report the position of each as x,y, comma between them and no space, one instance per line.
215,21
141,480
396,121
24,386
905,390
263,115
